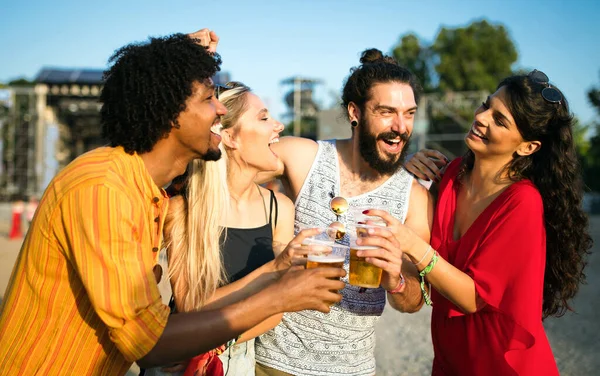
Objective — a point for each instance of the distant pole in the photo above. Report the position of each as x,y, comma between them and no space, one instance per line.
297,99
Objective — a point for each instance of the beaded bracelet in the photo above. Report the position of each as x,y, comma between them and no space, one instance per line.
423,273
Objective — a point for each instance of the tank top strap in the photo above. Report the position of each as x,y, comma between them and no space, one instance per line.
273,201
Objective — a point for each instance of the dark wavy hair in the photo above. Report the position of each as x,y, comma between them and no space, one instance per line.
555,171
147,86
375,68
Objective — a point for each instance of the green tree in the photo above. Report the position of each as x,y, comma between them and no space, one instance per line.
580,139
594,98
308,128
21,82
471,58
591,157
474,58
416,57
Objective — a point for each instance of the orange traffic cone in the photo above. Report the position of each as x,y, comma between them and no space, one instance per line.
15,229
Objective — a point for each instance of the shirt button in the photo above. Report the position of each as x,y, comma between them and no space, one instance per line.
155,249
157,219
155,200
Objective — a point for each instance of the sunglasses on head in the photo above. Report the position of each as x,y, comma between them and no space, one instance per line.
220,89
339,206
549,93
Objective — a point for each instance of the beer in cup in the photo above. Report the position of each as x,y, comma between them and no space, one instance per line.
334,258
362,230
362,273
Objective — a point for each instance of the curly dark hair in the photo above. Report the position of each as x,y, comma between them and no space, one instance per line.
147,86
375,68
555,171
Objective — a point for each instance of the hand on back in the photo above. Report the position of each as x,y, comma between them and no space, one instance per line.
427,165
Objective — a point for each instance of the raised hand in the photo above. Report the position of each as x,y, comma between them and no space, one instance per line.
206,38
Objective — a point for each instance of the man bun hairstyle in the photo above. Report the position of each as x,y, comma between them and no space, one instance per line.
375,68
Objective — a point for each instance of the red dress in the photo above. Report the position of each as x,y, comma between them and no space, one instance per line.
504,251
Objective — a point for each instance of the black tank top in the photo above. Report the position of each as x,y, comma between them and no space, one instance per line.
247,249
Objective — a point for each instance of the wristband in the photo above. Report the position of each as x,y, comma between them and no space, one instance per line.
232,341
400,285
423,273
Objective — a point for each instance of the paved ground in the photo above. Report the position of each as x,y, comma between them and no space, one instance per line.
403,341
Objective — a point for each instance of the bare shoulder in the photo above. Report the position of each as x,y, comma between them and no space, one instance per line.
298,142
419,193
283,229
286,206
291,148
297,155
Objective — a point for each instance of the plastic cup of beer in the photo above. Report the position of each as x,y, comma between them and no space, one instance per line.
335,258
325,234
316,245
362,230
362,273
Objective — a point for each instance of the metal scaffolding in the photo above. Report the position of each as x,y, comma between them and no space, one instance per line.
44,127
19,178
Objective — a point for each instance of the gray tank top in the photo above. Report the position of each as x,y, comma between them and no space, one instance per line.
343,341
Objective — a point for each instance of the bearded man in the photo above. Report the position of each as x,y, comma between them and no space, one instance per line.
327,179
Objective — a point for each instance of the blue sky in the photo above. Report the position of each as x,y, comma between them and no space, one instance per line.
263,42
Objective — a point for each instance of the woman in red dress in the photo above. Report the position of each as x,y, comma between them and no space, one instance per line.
509,237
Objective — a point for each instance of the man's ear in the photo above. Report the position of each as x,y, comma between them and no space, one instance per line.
528,147
227,139
353,112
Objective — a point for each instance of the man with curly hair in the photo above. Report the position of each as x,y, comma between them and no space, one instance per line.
83,299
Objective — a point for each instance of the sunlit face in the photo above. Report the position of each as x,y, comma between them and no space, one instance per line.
494,132
254,134
386,126
202,111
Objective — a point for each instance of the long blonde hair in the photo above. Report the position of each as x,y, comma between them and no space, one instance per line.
194,238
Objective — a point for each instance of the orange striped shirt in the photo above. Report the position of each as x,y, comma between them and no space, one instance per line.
82,298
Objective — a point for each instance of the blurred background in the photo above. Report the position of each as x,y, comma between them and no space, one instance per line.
296,55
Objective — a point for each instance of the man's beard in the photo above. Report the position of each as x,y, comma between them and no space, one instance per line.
368,150
212,155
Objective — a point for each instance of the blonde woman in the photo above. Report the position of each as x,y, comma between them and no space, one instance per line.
221,230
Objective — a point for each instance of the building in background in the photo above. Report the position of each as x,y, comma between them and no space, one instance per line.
47,125
302,115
